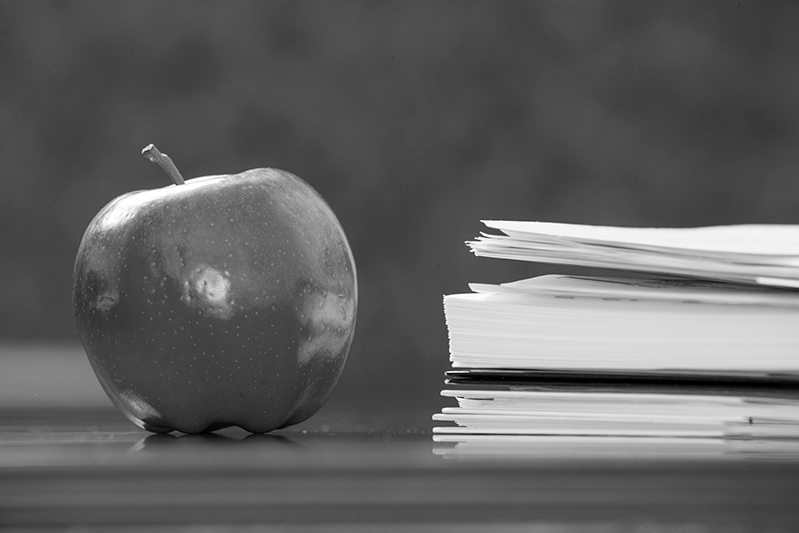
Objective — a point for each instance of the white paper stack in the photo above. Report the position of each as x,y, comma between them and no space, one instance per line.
698,336
755,253
569,322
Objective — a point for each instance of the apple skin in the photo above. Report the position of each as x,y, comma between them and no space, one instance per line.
224,301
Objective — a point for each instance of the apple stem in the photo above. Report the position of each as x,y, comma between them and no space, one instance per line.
165,162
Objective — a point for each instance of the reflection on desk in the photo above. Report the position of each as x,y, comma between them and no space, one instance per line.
603,448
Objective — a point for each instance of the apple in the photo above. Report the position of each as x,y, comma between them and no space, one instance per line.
216,301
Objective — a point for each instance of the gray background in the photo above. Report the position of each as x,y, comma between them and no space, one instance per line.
413,119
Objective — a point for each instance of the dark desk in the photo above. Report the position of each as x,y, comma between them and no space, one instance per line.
357,468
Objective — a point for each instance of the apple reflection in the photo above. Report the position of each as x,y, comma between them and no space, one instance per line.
213,443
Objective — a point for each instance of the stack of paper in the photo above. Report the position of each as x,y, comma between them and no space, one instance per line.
698,339
761,254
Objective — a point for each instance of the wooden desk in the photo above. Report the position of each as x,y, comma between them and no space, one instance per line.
364,468
354,470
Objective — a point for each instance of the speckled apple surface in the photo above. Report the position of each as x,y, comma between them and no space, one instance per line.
224,301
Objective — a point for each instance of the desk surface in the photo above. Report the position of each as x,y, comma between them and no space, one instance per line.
354,469
69,459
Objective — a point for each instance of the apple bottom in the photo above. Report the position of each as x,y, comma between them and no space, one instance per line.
256,398
209,429
266,415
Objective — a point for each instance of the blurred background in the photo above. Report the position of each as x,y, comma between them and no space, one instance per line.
414,119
